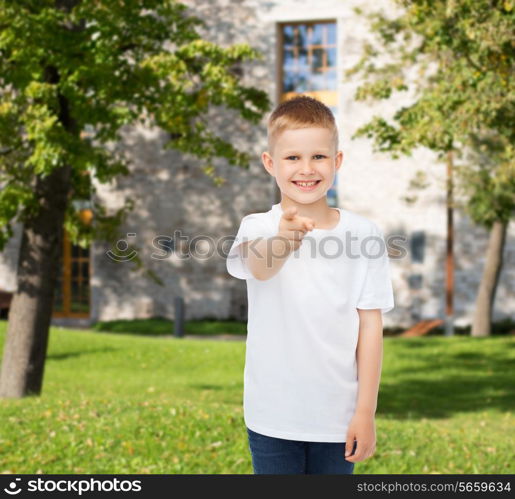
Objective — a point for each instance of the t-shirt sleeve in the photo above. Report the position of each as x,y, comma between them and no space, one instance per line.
251,227
377,290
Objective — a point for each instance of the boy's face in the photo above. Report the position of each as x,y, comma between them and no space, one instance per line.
305,154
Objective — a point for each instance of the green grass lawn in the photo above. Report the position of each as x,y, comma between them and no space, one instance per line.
116,403
159,326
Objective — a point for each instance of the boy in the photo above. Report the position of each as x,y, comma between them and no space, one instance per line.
310,387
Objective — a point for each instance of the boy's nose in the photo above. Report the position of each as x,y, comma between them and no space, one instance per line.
307,169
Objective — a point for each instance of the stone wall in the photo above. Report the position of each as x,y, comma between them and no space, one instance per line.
172,193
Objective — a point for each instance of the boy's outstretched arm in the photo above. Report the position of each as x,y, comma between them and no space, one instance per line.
269,255
369,355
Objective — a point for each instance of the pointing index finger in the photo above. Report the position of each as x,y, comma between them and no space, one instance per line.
309,223
290,213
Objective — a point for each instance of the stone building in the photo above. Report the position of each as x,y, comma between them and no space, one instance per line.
307,46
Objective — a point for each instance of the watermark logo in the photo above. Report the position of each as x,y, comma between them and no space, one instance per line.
203,247
122,245
74,485
13,489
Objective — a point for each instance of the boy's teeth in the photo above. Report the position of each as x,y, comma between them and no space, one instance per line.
306,184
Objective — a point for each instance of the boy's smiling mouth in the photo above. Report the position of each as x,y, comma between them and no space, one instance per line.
306,185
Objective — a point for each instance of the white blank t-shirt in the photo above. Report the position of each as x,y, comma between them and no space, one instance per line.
300,377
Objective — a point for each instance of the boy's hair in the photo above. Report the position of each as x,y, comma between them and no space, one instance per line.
300,112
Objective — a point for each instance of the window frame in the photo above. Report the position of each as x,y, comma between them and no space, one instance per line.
66,275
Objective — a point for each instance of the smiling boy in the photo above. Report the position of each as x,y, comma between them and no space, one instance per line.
318,281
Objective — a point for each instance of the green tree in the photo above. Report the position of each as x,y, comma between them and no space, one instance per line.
72,73
463,107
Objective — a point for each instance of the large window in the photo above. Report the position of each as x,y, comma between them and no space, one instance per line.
308,52
72,292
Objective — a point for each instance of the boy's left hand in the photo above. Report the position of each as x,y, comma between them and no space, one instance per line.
361,429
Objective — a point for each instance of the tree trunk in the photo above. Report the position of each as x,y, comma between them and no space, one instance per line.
31,307
30,313
482,322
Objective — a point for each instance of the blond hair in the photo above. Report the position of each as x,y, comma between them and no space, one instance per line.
300,112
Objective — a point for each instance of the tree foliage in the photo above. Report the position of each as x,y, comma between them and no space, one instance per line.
73,73
457,57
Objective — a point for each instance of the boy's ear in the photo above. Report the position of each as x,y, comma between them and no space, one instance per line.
268,162
339,159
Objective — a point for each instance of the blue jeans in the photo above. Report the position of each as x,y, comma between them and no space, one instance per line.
278,456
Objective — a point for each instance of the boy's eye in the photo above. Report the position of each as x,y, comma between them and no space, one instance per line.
316,156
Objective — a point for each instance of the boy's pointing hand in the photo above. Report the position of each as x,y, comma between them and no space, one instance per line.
293,227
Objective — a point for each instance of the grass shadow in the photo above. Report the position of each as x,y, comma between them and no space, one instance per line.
437,386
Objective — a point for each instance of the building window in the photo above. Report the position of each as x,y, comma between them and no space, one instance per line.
309,60
72,292
308,66
417,244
